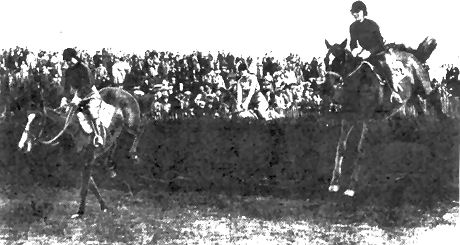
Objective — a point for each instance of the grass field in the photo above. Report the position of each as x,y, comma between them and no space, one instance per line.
42,216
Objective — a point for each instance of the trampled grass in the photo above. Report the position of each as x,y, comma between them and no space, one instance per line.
42,216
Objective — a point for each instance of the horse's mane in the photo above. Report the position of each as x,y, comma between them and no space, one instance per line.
399,47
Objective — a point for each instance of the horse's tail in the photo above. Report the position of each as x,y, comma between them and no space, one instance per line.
425,49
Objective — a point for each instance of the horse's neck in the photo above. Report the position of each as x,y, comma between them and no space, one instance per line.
350,63
55,116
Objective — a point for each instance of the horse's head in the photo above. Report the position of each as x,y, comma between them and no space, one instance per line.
42,125
342,62
32,130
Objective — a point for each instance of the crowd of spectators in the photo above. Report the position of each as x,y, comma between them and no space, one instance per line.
171,85
168,85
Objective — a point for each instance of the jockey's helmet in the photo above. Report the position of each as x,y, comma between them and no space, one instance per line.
69,53
357,6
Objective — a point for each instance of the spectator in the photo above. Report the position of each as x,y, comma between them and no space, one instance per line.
97,59
119,70
101,76
249,96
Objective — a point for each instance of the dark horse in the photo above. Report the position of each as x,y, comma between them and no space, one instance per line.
363,95
47,125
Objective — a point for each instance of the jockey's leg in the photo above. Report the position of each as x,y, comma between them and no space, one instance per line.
94,107
84,122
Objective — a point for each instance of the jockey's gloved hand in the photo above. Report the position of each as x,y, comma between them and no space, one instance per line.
76,100
355,52
364,54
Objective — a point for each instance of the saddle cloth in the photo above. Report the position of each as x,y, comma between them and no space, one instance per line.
99,110
103,112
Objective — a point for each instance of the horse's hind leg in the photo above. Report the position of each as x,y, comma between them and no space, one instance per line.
341,147
434,99
95,190
109,163
133,150
356,165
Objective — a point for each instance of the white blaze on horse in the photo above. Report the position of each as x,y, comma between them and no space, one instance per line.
363,95
119,111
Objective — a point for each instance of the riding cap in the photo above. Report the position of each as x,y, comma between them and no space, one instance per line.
69,53
357,6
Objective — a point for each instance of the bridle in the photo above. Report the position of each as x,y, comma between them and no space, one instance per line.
68,120
364,62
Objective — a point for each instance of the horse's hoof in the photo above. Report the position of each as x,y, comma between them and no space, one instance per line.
349,193
334,188
112,174
76,216
136,159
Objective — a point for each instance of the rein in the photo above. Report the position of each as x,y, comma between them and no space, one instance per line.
66,124
354,71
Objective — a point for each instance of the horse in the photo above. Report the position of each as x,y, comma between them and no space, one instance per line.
46,126
359,90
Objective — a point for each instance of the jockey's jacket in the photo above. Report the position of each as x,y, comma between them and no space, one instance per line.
79,78
367,33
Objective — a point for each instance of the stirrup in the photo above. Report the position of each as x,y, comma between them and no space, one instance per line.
98,141
112,172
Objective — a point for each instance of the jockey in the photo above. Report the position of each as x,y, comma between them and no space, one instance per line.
366,42
248,93
79,77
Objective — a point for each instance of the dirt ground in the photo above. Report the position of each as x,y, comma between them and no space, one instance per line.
42,216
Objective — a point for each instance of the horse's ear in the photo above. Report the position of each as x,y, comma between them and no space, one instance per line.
344,44
327,44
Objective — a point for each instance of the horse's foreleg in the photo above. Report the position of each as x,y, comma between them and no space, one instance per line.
345,131
356,165
95,190
85,177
